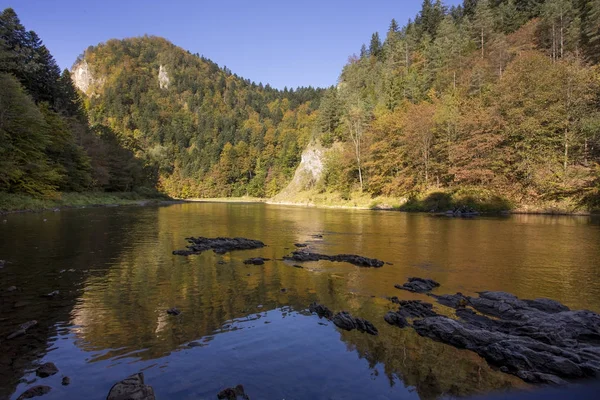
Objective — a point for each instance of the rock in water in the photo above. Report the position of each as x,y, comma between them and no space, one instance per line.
219,245
394,318
540,341
418,285
22,329
46,370
346,321
173,311
256,261
66,381
452,300
35,391
359,261
320,310
416,309
132,388
233,393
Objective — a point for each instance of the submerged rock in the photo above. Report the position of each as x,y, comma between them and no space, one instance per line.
131,388
219,245
256,261
35,391
173,311
52,294
233,393
22,330
46,370
300,245
320,310
418,285
360,261
540,341
66,381
347,322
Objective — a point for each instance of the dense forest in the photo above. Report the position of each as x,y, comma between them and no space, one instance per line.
489,99
46,143
492,98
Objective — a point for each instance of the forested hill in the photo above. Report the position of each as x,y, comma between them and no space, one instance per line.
495,98
491,101
208,132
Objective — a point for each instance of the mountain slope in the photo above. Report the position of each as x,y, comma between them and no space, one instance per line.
205,131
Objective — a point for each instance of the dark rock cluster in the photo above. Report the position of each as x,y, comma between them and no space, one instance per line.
219,245
360,261
344,319
540,340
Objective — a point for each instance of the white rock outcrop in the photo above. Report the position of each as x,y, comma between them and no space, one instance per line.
82,76
163,78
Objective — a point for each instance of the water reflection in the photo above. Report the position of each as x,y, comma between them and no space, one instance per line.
110,318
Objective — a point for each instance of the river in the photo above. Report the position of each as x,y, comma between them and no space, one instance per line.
116,276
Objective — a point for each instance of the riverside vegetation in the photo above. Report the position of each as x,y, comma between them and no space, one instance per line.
491,104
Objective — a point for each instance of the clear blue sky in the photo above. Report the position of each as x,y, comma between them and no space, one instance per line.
282,42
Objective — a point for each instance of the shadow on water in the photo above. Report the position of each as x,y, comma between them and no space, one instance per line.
248,324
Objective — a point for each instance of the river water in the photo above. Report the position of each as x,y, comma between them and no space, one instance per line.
116,276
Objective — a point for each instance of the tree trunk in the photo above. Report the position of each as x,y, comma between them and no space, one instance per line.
553,42
482,45
562,37
566,159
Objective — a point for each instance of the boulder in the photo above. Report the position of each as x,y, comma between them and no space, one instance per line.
394,318
346,321
35,391
46,370
233,394
320,310
22,330
131,388
418,285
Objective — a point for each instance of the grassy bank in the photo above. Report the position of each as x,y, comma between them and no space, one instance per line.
244,199
20,202
433,201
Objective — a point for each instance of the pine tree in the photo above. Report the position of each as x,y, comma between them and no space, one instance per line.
483,24
375,46
430,17
590,30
